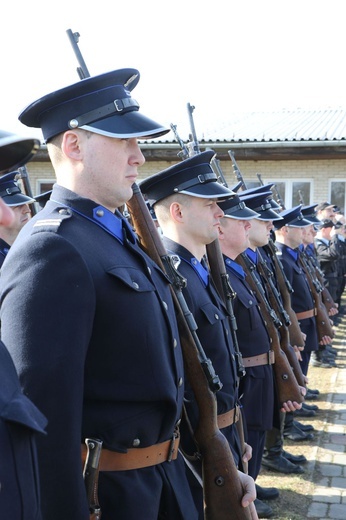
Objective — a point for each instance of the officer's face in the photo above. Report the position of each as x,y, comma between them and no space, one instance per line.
234,236
110,167
22,215
6,214
201,219
308,234
294,236
260,232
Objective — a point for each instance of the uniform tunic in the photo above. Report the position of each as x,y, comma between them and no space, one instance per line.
20,424
301,299
214,333
257,387
97,350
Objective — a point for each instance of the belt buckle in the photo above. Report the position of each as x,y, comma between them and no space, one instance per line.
172,444
269,357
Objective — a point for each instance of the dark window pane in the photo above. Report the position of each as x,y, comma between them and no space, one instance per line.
337,195
279,192
301,192
46,186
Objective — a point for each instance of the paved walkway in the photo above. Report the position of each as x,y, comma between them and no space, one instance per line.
329,470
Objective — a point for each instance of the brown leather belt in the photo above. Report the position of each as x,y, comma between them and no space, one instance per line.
228,418
268,358
136,458
306,314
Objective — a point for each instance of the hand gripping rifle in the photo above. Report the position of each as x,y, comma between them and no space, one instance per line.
276,303
221,485
286,383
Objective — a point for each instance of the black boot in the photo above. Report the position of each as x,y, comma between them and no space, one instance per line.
266,493
263,510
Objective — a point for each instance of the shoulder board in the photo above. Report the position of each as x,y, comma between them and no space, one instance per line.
51,224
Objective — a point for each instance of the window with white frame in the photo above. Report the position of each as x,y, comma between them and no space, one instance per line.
337,190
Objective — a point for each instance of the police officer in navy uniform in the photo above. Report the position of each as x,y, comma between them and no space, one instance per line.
256,388
20,421
97,349
185,199
11,194
288,240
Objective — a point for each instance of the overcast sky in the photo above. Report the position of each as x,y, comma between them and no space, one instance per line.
222,56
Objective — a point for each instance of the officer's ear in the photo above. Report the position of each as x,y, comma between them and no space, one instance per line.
176,211
71,144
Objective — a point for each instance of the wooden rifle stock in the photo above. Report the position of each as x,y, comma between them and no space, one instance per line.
277,305
295,333
221,484
286,383
323,325
221,281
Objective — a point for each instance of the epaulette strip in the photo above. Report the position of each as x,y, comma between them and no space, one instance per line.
51,225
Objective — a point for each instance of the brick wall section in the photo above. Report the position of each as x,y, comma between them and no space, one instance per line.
320,171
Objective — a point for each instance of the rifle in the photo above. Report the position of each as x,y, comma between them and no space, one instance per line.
82,70
286,383
215,163
221,485
279,309
24,177
275,192
91,475
286,289
184,153
301,198
236,170
323,324
222,283
193,145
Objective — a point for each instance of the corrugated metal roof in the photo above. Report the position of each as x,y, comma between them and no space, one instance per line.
325,124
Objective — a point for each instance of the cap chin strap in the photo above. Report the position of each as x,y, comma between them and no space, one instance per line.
200,179
117,106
